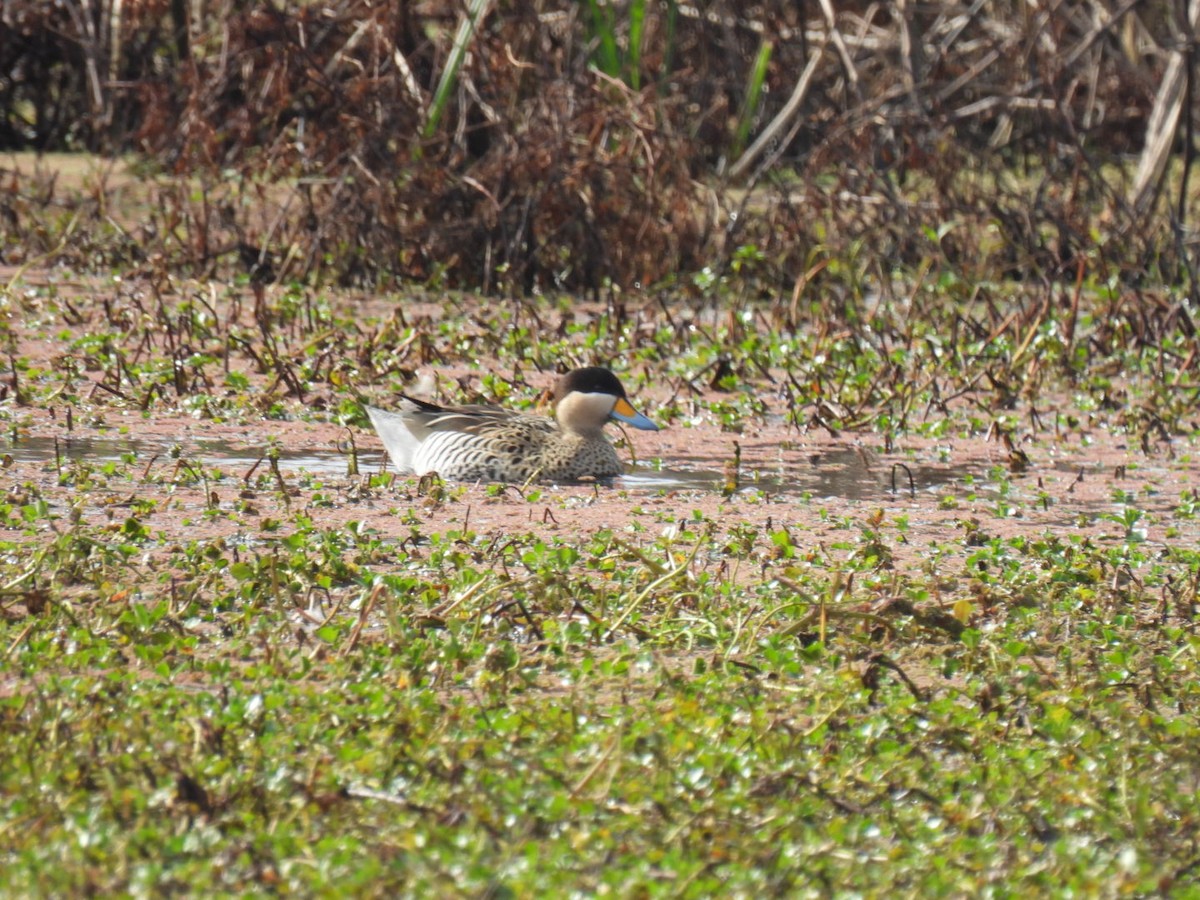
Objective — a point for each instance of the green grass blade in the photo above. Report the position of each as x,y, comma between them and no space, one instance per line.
462,40
754,88
637,23
604,33
668,63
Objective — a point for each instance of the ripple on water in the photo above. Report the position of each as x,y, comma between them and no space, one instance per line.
845,473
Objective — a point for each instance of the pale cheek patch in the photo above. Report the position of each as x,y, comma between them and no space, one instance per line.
585,410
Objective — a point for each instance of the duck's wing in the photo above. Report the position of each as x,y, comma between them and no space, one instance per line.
424,418
484,427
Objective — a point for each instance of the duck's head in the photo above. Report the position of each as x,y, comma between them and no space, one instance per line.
584,399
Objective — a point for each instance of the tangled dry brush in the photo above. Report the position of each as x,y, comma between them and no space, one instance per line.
585,145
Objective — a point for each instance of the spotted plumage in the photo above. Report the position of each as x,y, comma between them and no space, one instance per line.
486,443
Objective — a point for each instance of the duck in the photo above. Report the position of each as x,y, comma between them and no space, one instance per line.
493,444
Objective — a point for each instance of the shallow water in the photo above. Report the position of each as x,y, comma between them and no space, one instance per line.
226,454
849,474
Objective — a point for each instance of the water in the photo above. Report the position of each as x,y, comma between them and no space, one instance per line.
846,473
225,454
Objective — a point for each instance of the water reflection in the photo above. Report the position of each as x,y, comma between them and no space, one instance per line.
226,454
849,473
846,473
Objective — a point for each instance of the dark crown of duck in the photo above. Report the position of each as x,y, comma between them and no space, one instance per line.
588,380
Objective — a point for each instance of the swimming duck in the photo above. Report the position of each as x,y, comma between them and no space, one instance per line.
486,443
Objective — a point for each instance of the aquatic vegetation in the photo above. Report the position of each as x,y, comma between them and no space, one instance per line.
318,672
